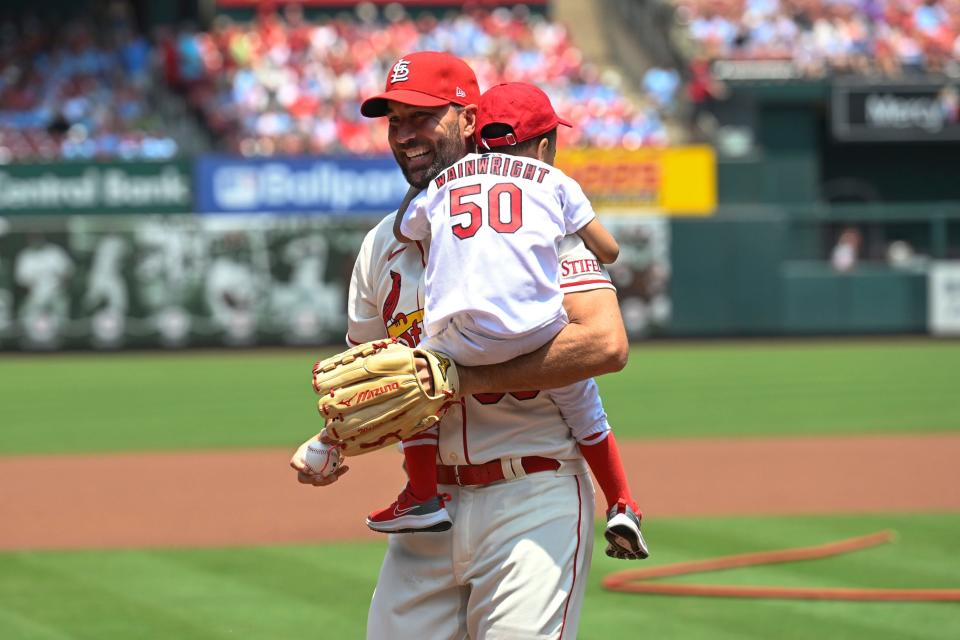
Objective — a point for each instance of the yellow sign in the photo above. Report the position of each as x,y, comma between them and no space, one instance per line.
680,181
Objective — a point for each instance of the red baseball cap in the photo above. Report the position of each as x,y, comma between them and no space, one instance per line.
426,79
520,105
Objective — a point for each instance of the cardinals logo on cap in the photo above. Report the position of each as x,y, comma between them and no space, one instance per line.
401,72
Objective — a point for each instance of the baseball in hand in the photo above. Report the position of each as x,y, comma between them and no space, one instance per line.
323,459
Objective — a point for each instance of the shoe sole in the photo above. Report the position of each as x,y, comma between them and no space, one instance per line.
437,528
431,523
623,534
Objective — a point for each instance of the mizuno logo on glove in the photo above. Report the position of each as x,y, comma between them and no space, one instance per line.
369,394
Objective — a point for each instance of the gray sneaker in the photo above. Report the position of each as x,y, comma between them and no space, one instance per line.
625,541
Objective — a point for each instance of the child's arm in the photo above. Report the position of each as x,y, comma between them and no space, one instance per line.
412,193
600,241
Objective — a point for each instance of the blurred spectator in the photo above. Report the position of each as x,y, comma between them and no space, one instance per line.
280,84
846,252
77,90
890,37
661,85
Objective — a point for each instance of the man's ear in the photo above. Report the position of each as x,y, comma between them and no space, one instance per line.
468,121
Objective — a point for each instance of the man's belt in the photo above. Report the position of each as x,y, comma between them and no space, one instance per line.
469,475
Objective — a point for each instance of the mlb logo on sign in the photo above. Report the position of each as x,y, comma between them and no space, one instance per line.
235,187
401,72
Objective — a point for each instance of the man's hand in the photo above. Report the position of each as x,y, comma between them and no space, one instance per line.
303,471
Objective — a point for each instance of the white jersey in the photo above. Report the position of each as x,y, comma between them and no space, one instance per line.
500,219
387,299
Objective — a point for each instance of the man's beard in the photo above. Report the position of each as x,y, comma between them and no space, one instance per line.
448,150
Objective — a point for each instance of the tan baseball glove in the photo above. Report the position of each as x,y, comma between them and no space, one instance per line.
371,396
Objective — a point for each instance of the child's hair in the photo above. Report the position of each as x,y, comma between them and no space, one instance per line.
527,147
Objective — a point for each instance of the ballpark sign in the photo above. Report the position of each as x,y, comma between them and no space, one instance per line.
337,185
66,188
906,112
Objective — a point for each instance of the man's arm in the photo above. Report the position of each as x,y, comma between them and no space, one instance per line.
594,343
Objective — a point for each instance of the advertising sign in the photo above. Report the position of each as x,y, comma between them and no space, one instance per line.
84,187
671,180
321,185
174,281
896,112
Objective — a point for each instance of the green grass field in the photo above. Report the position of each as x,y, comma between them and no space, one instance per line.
125,402
137,402
299,591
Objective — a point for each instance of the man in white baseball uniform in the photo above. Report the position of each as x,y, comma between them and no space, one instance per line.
514,563
497,220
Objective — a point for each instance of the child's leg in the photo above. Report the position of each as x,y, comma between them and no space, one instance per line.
580,406
420,456
582,410
418,507
603,456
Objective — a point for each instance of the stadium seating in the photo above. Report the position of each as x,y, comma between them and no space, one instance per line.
76,91
281,84
884,37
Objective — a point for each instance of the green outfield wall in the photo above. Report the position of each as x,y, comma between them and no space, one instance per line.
768,271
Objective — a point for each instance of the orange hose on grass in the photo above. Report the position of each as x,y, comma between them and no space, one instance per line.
635,580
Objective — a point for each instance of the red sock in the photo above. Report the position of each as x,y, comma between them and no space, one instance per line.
422,470
604,460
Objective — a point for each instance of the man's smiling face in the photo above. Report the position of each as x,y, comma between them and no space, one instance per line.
426,140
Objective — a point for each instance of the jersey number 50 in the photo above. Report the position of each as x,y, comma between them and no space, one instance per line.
494,212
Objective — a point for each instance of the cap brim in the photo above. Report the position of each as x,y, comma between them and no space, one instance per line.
376,107
564,122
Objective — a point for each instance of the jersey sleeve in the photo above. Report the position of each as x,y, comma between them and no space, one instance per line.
579,268
576,207
363,319
416,223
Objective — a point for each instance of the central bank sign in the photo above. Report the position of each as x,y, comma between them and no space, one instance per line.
889,112
66,188
339,185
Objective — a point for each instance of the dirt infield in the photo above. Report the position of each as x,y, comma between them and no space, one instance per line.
251,497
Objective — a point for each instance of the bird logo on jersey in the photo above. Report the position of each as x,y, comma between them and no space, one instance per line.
393,298
407,328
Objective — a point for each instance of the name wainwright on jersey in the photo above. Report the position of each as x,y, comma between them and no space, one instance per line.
495,165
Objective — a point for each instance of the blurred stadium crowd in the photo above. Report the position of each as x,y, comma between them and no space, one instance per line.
78,91
886,37
280,83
